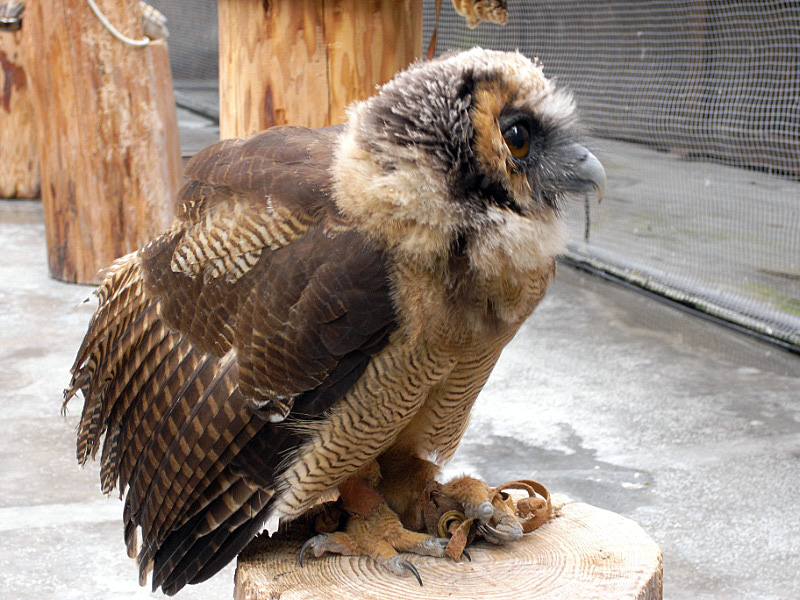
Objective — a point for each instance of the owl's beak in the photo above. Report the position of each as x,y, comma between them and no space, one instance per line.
585,174
590,175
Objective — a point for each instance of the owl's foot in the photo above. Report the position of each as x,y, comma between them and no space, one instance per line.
379,535
495,517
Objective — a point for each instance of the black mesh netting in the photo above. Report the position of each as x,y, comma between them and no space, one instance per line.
193,52
695,112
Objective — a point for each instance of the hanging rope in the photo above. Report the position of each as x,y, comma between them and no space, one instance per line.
114,31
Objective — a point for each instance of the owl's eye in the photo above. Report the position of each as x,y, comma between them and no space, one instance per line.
518,140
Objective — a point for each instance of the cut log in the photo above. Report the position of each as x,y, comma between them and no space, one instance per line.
301,62
19,162
582,553
368,43
107,133
272,65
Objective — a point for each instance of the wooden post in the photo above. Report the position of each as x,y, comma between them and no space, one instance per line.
19,163
582,553
301,62
107,132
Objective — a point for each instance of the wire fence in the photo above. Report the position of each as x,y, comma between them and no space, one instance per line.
193,53
693,107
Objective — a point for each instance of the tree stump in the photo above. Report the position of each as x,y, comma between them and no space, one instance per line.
301,62
107,133
19,162
583,552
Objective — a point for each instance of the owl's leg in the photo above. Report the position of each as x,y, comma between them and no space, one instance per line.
373,529
497,523
405,477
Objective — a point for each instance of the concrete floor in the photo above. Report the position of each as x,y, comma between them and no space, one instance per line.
614,399
726,235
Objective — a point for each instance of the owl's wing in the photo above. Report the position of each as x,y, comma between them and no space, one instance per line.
257,305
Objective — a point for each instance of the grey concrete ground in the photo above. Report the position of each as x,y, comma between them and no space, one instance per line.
607,396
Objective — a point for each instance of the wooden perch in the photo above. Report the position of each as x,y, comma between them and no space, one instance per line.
582,553
301,62
107,132
19,163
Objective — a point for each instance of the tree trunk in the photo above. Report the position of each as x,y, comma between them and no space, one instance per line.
301,62
19,162
107,133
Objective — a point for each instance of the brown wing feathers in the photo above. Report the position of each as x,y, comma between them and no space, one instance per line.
146,360
95,364
187,426
248,301
233,519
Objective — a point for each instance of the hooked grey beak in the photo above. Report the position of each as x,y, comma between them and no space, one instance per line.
586,174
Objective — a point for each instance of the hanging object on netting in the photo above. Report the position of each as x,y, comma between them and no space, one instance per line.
154,23
475,11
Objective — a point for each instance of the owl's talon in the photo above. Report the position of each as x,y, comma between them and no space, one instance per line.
496,521
303,550
500,534
401,566
322,543
431,546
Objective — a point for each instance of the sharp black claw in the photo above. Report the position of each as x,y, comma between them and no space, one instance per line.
409,567
308,543
466,555
495,536
484,528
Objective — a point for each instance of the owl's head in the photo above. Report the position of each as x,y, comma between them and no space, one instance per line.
472,141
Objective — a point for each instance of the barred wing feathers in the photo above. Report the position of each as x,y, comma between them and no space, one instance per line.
258,304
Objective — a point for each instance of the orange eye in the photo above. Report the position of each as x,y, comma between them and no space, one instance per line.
518,140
